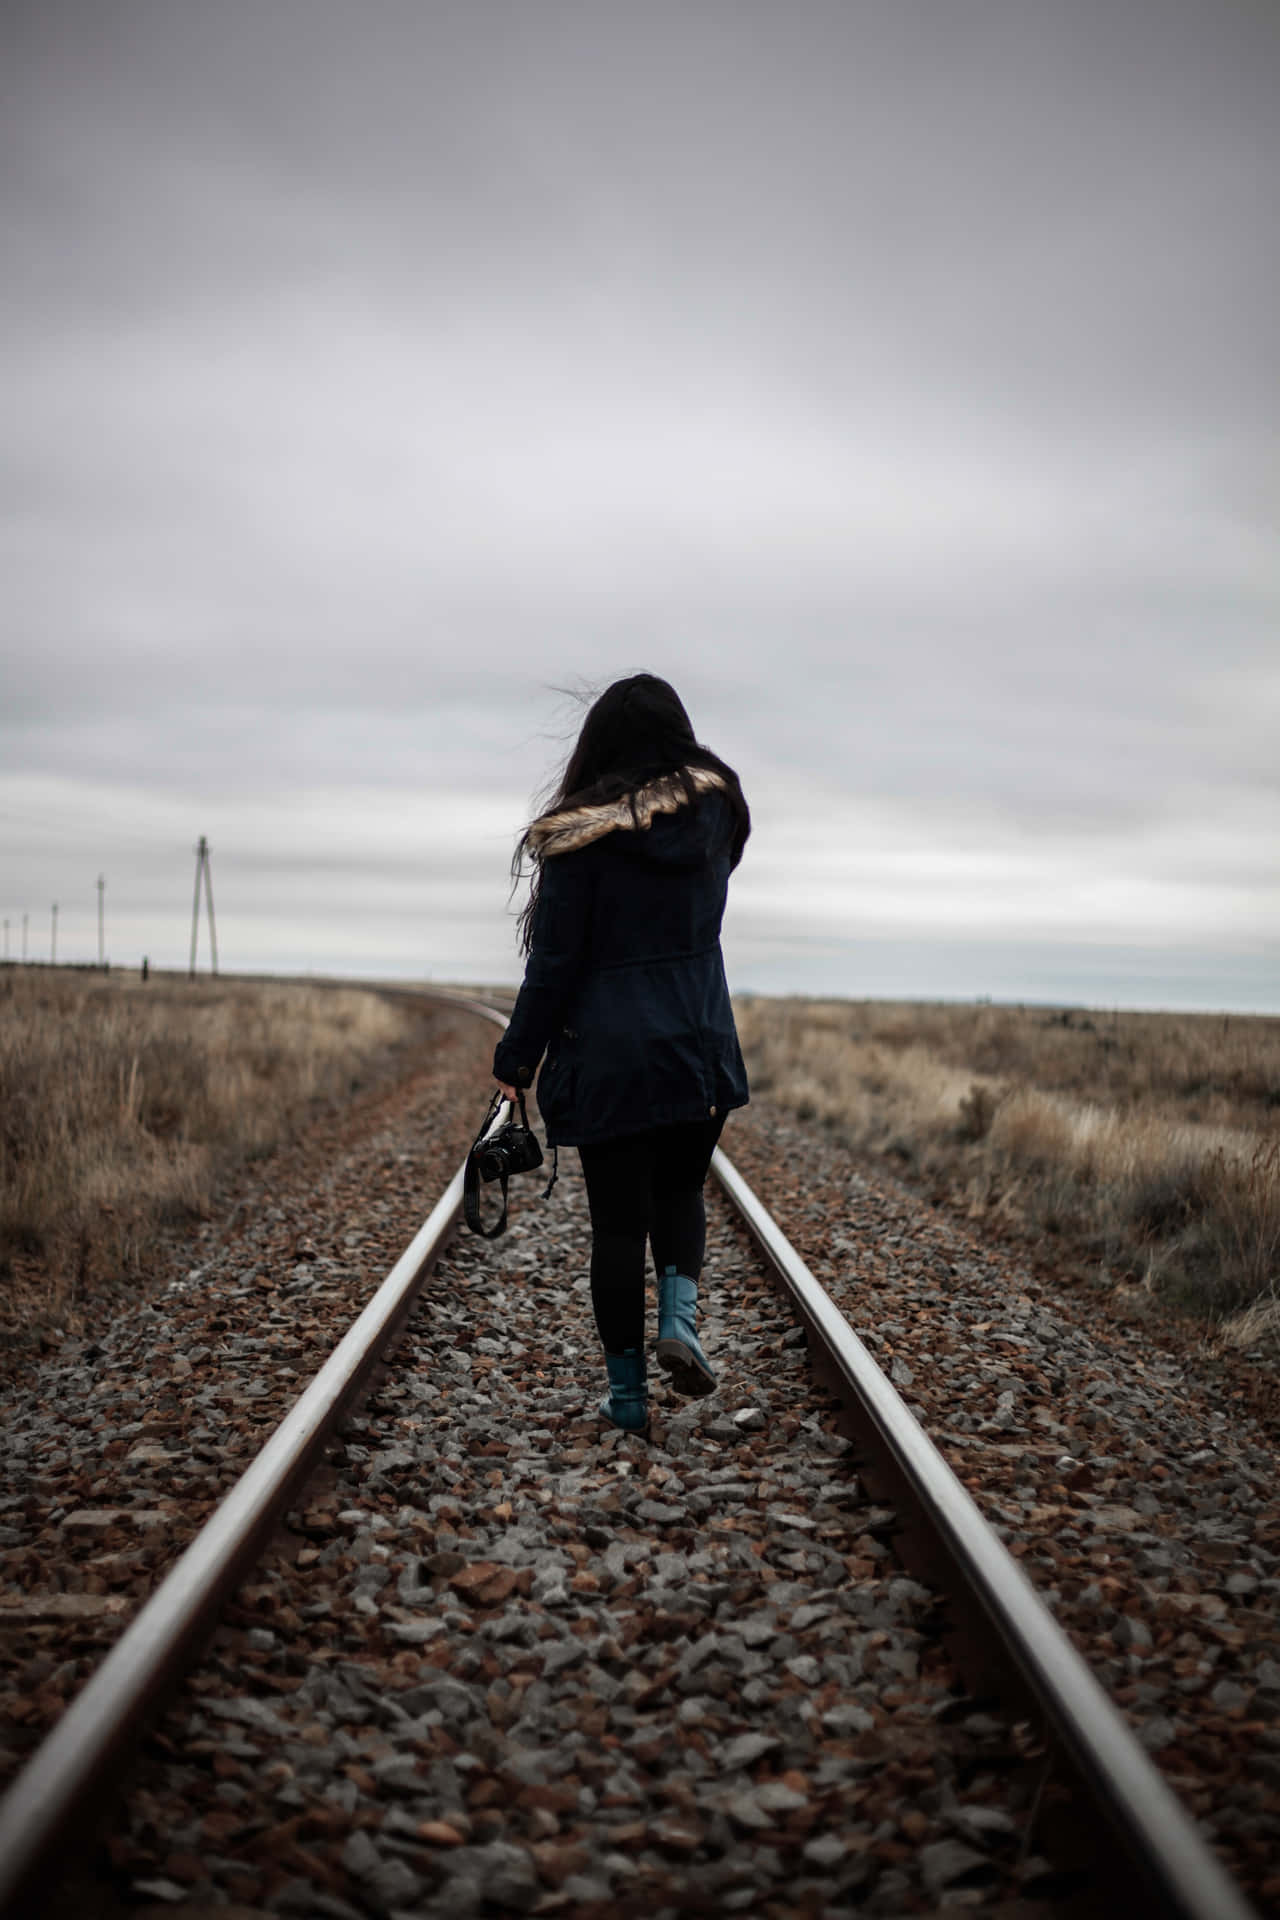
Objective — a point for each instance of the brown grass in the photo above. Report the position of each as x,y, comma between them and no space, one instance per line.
1145,1145
122,1106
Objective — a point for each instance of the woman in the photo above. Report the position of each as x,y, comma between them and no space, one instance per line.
624,993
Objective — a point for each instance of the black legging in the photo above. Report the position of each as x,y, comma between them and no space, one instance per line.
645,1186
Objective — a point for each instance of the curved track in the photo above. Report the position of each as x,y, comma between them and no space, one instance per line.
1123,1829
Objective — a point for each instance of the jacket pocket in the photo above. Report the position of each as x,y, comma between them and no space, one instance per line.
556,1081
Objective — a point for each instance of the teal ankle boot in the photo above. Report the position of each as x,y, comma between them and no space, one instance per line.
626,1404
678,1349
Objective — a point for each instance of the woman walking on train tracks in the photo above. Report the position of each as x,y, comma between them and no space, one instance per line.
624,992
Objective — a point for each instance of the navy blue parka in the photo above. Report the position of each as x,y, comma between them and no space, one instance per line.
625,991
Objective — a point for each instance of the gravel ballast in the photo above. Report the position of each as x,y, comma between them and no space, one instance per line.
512,1660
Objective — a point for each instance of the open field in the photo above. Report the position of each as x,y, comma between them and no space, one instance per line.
1141,1149
1144,1147
122,1105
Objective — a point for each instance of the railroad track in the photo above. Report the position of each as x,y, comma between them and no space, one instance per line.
1072,1782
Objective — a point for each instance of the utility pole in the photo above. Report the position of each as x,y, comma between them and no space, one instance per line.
203,867
102,955
24,939
53,938
6,941
208,897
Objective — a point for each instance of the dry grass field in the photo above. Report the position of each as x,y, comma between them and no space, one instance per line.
1145,1147
123,1104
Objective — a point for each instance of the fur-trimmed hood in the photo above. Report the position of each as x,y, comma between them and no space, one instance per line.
578,826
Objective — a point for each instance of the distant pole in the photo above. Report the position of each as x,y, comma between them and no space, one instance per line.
53,938
24,939
208,898
203,867
6,940
102,952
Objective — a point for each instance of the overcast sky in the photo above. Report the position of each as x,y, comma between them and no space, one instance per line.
902,380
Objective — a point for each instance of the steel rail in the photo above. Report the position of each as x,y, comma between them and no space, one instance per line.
73,1771
1168,1866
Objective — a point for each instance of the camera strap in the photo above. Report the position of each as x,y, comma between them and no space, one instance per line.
471,1174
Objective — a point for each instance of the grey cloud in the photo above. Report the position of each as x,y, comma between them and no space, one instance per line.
901,381
997,182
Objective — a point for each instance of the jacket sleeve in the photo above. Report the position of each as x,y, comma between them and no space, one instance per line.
557,959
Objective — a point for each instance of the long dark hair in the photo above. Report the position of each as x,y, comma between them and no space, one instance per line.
636,731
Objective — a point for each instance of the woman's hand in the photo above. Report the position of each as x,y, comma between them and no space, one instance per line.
509,1091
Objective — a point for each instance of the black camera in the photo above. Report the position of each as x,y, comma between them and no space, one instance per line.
512,1148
